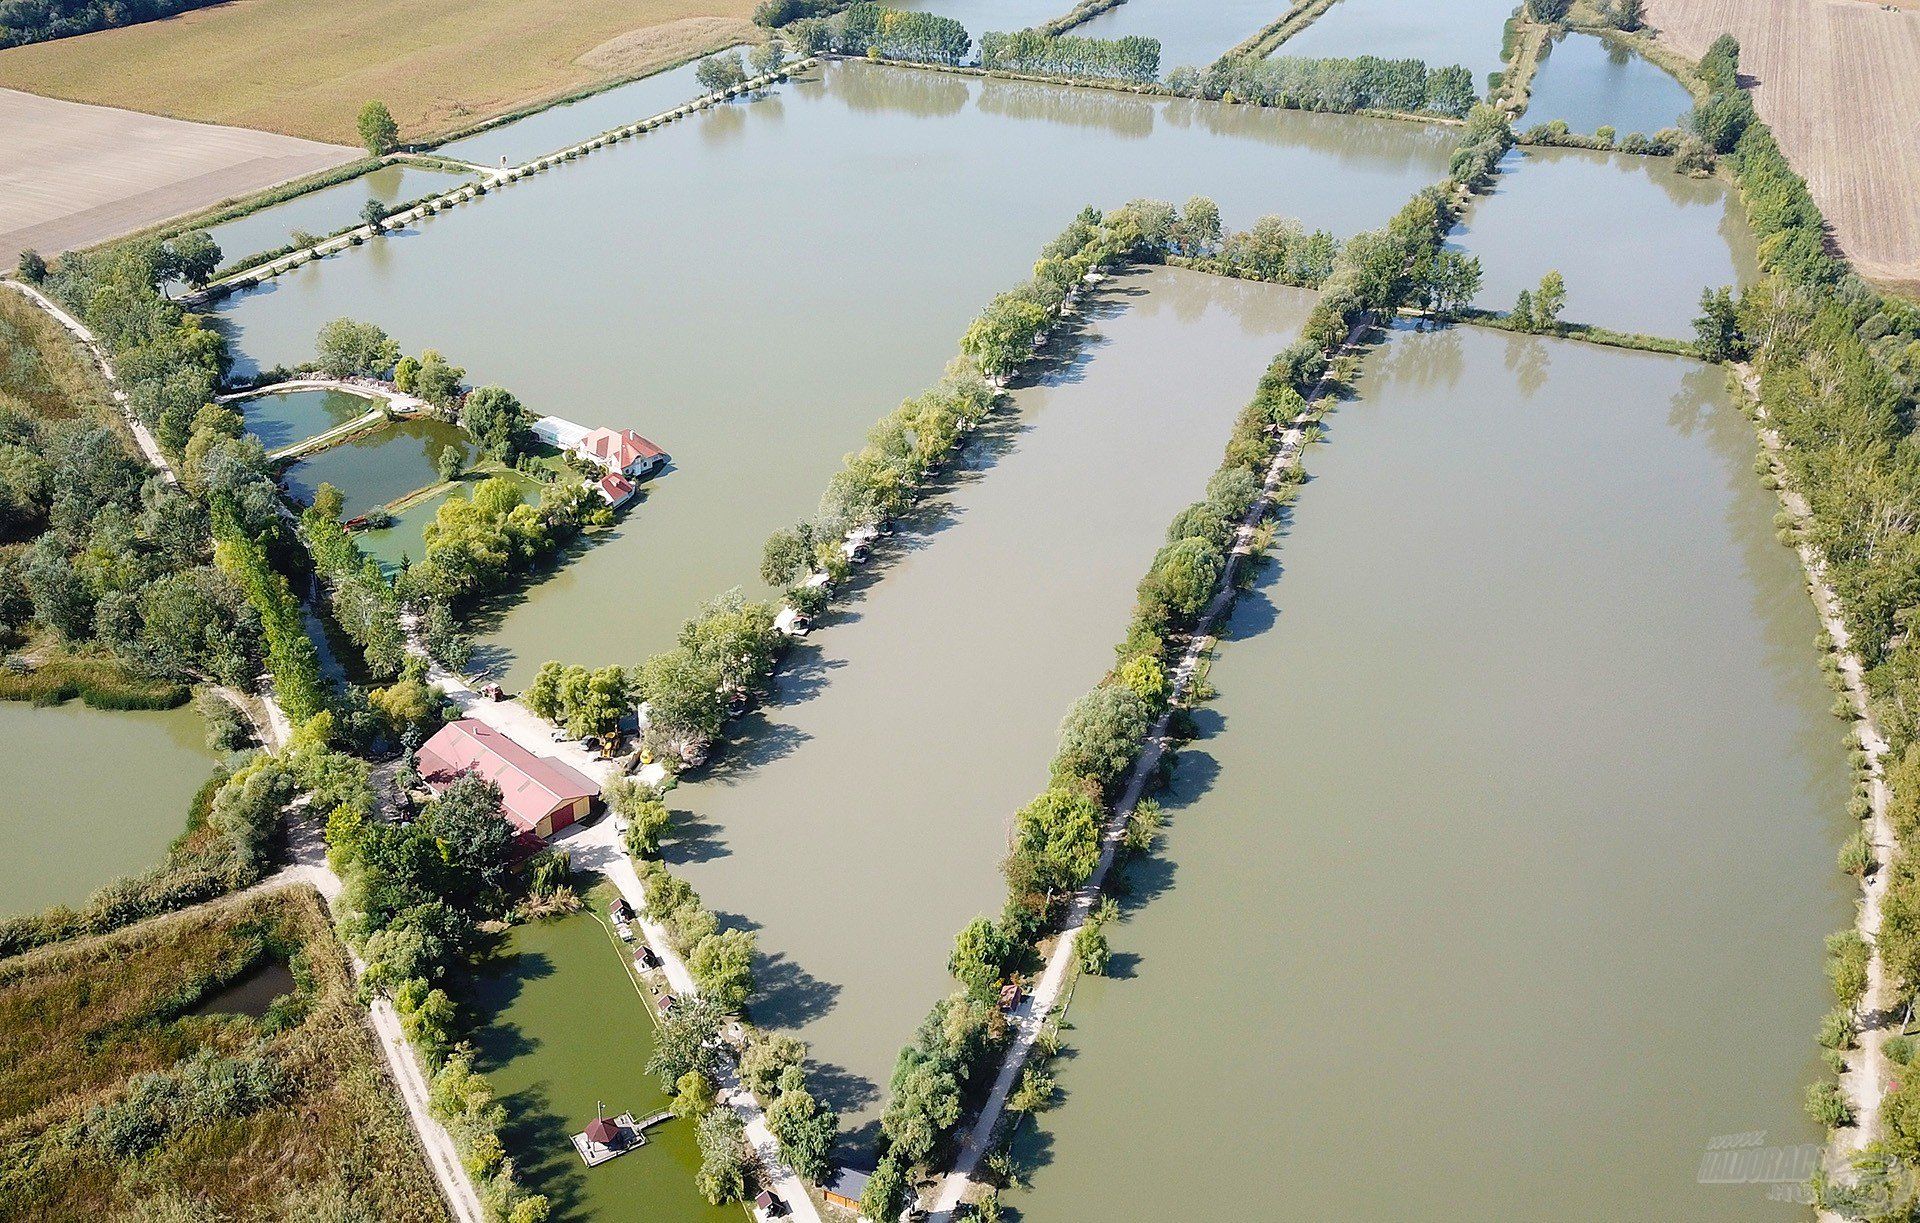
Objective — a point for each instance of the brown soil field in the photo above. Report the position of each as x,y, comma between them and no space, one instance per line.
1839,83
305,69
72,175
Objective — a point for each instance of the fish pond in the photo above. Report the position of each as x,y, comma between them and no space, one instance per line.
1464,32
1495,883
380,466
751,288
564,1032
1589,83
911,727
88,796
1191,35
328,209
287,418
1635,241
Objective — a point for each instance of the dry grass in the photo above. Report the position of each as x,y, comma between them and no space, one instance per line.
304,68
42,367
638,52
78,1020
1839,83
73,175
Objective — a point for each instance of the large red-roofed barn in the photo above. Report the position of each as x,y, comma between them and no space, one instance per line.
538,794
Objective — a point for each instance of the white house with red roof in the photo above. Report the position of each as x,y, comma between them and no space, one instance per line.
620,451
616,488
538,794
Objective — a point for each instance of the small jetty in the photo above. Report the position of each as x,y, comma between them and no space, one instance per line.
608,1138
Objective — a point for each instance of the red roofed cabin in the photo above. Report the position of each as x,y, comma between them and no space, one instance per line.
538,794
621,451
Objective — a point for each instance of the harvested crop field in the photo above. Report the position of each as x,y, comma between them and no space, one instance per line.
306,69
1839,82
72,175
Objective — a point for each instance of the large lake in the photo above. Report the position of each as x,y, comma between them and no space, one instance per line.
753,287
1496,883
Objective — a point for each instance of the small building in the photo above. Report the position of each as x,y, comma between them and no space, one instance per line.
844,1187
560,433
615,489
621,451
769,1205
538,795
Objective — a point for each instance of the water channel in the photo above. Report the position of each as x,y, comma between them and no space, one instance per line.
87,796
753,287
862,823
1464,32
1634,241
329,209
1495,886
379,466
1590,83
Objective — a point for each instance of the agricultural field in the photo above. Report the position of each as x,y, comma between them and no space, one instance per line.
211,1064
73,175
1839,83
306,69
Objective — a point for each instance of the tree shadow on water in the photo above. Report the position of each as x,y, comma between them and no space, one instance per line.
788,995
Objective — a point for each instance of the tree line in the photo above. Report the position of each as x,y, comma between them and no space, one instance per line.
27,21
879,32
1339,85
1132,58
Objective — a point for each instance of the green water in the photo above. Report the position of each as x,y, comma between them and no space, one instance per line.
753,287
910,728
1464,32
87,796
329,209
378,466
564,1032
1590,84
289,417
1496,883
1634,241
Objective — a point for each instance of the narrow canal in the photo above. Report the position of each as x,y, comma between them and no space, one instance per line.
753,287
1496,884
864,820
87,796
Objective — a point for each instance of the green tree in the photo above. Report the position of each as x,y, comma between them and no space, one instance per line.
767,1059
722,966
723,1157
33,269
806,1130
788,554
347,349
981,952
718,72
195,256
378,132
1522,312
1548,300
1060,833
449,463
436,381
686,1042
473,840
498,421
693,1095
886,1193
1101,735
768,56
372,213
1716,331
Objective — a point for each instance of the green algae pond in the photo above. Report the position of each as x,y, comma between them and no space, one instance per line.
90,795
1496,881
562,1031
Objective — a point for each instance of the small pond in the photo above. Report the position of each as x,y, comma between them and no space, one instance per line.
327,210
558,127
1465,32
1590,83
1191,35
405,538
251,994
87,796
287,418
379,466
980,16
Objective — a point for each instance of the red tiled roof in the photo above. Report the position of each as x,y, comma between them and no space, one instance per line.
620,448
615,487
531,787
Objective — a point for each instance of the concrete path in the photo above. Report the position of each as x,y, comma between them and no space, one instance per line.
78,330
1047,994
